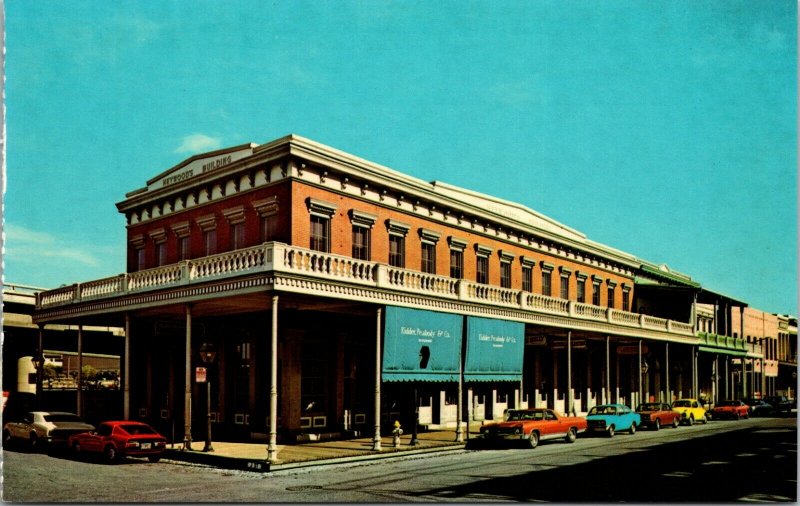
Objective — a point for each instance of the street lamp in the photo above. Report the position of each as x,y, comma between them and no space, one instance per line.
38,364
207,355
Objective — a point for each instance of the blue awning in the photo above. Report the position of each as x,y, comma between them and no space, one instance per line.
421,345
495,350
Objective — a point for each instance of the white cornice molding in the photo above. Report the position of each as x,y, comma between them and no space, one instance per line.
347,174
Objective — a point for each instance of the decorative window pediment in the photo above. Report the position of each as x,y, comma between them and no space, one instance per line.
207,222
267,206
320,208
612,283
397,227
457,244
137,241
234,215
565,271
527,261
181,229
483,251
158,235
362,219
581,275
506,256
547,267
429,236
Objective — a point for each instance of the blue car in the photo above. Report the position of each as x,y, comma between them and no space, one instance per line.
611,418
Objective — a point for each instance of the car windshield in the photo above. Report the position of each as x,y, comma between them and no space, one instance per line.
62,417
681,404
134,429
514,415
603,410
649,406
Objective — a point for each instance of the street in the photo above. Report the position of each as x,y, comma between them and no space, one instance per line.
723,461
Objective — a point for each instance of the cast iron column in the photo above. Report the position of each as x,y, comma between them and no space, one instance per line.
608,369
80,371
376,439
126,387
666,368
187,390
569,372
272,449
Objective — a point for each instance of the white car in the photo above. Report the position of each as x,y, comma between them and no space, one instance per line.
48,427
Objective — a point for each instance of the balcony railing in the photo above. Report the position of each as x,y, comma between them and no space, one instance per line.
282,258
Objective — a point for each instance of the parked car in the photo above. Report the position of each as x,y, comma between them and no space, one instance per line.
656,414
612,418
730,409
780,403
533,425
49,427
118,439
690,410
757,407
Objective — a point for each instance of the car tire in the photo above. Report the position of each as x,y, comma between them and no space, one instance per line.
533,439
6,437
691,420
746,416
154,458
571,436
738,416
110,454
704,420
76,448
657,424
675,423
33,441
610,431
632,430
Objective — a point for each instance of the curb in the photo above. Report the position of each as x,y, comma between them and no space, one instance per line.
263,466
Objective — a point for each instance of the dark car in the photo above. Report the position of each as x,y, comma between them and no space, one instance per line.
759,408
780,403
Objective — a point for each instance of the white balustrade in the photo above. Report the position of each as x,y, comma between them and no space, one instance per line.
279,257
651,322
154,278
589,311
102,287
625,318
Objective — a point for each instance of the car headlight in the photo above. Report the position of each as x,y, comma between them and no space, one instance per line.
132,444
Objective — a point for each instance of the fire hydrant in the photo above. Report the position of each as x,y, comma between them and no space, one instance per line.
396,432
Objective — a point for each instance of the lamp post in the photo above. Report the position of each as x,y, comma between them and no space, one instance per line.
38,364
207,355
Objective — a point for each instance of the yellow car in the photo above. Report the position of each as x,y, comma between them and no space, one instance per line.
691,411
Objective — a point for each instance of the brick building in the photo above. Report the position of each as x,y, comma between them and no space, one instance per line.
339,295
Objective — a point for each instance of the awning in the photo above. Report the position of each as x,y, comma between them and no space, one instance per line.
421,345
722,351
495,350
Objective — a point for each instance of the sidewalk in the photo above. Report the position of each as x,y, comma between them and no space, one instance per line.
253,456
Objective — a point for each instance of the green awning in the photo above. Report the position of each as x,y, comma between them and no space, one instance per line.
421,345
723,351
495,349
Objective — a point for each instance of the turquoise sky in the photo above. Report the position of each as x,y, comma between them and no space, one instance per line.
665,129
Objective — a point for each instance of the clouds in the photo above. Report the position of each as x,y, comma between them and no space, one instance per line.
32,247
197,143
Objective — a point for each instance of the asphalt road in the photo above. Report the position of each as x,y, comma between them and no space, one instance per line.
724,461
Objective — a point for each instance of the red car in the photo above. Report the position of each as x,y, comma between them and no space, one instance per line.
532,425
118,439
730,409
657,414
